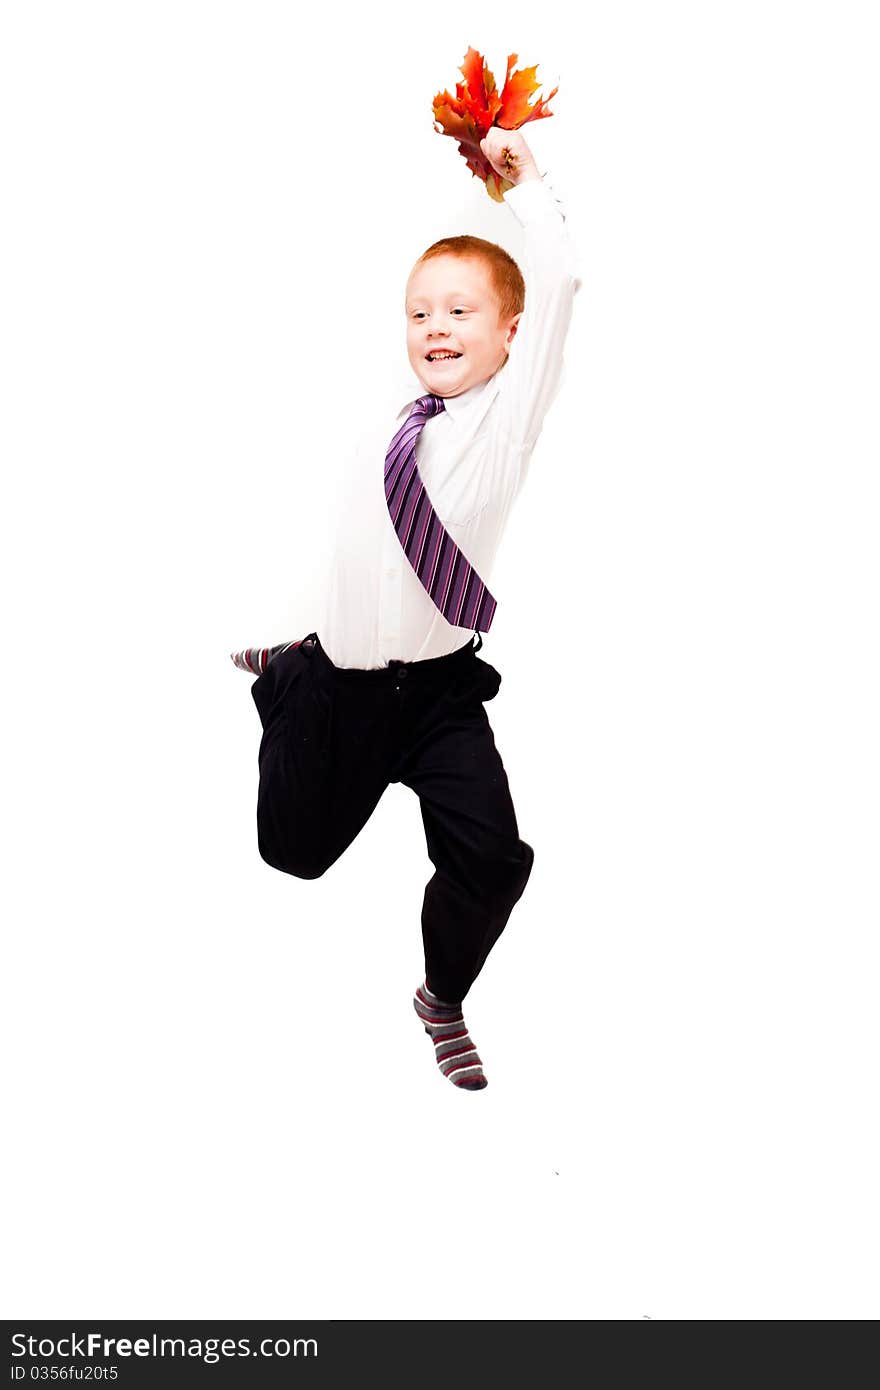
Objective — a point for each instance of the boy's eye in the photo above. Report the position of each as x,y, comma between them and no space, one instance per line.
420,313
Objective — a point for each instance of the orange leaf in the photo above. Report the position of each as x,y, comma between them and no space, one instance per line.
477,106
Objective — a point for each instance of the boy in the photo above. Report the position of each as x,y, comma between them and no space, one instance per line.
389,692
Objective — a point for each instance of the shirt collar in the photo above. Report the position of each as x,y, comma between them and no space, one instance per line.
411,389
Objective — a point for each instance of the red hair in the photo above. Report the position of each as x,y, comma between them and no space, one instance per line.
504,274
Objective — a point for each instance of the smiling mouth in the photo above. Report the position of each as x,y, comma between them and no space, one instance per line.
447,357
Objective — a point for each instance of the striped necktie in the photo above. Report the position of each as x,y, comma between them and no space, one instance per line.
450,580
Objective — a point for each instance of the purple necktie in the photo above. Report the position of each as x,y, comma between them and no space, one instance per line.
452,582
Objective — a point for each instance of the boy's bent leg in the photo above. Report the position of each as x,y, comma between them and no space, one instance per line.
481,864
310,806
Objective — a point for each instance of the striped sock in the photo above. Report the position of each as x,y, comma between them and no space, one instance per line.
256,659
454,1050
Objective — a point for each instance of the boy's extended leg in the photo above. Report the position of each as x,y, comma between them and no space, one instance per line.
481,867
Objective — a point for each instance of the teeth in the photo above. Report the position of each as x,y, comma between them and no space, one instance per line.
442,356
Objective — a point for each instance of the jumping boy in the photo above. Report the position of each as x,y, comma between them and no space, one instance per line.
389,692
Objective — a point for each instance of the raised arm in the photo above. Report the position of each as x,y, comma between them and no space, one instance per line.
532,375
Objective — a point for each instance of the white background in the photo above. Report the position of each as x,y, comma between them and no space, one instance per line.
219,1100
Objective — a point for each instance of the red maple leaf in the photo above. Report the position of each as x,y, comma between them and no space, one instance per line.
477,106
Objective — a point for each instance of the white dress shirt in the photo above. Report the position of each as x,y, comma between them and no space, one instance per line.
472,458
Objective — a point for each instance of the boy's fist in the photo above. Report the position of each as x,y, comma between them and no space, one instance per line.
509,155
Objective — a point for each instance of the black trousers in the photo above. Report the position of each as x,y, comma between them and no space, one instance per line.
334,739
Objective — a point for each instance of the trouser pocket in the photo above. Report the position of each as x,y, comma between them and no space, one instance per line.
490,681
479,681
273,690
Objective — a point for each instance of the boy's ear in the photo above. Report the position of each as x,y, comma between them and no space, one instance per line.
511,332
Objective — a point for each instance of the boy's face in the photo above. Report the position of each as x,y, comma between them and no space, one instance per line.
451,307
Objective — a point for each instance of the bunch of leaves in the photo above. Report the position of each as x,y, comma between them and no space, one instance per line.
477,105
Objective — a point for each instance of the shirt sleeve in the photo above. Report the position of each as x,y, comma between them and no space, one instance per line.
531,377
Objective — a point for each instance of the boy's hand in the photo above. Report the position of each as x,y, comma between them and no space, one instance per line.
509,155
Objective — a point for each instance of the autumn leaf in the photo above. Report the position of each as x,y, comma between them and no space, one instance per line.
477,105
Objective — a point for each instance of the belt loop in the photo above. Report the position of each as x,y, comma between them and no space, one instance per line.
479,642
